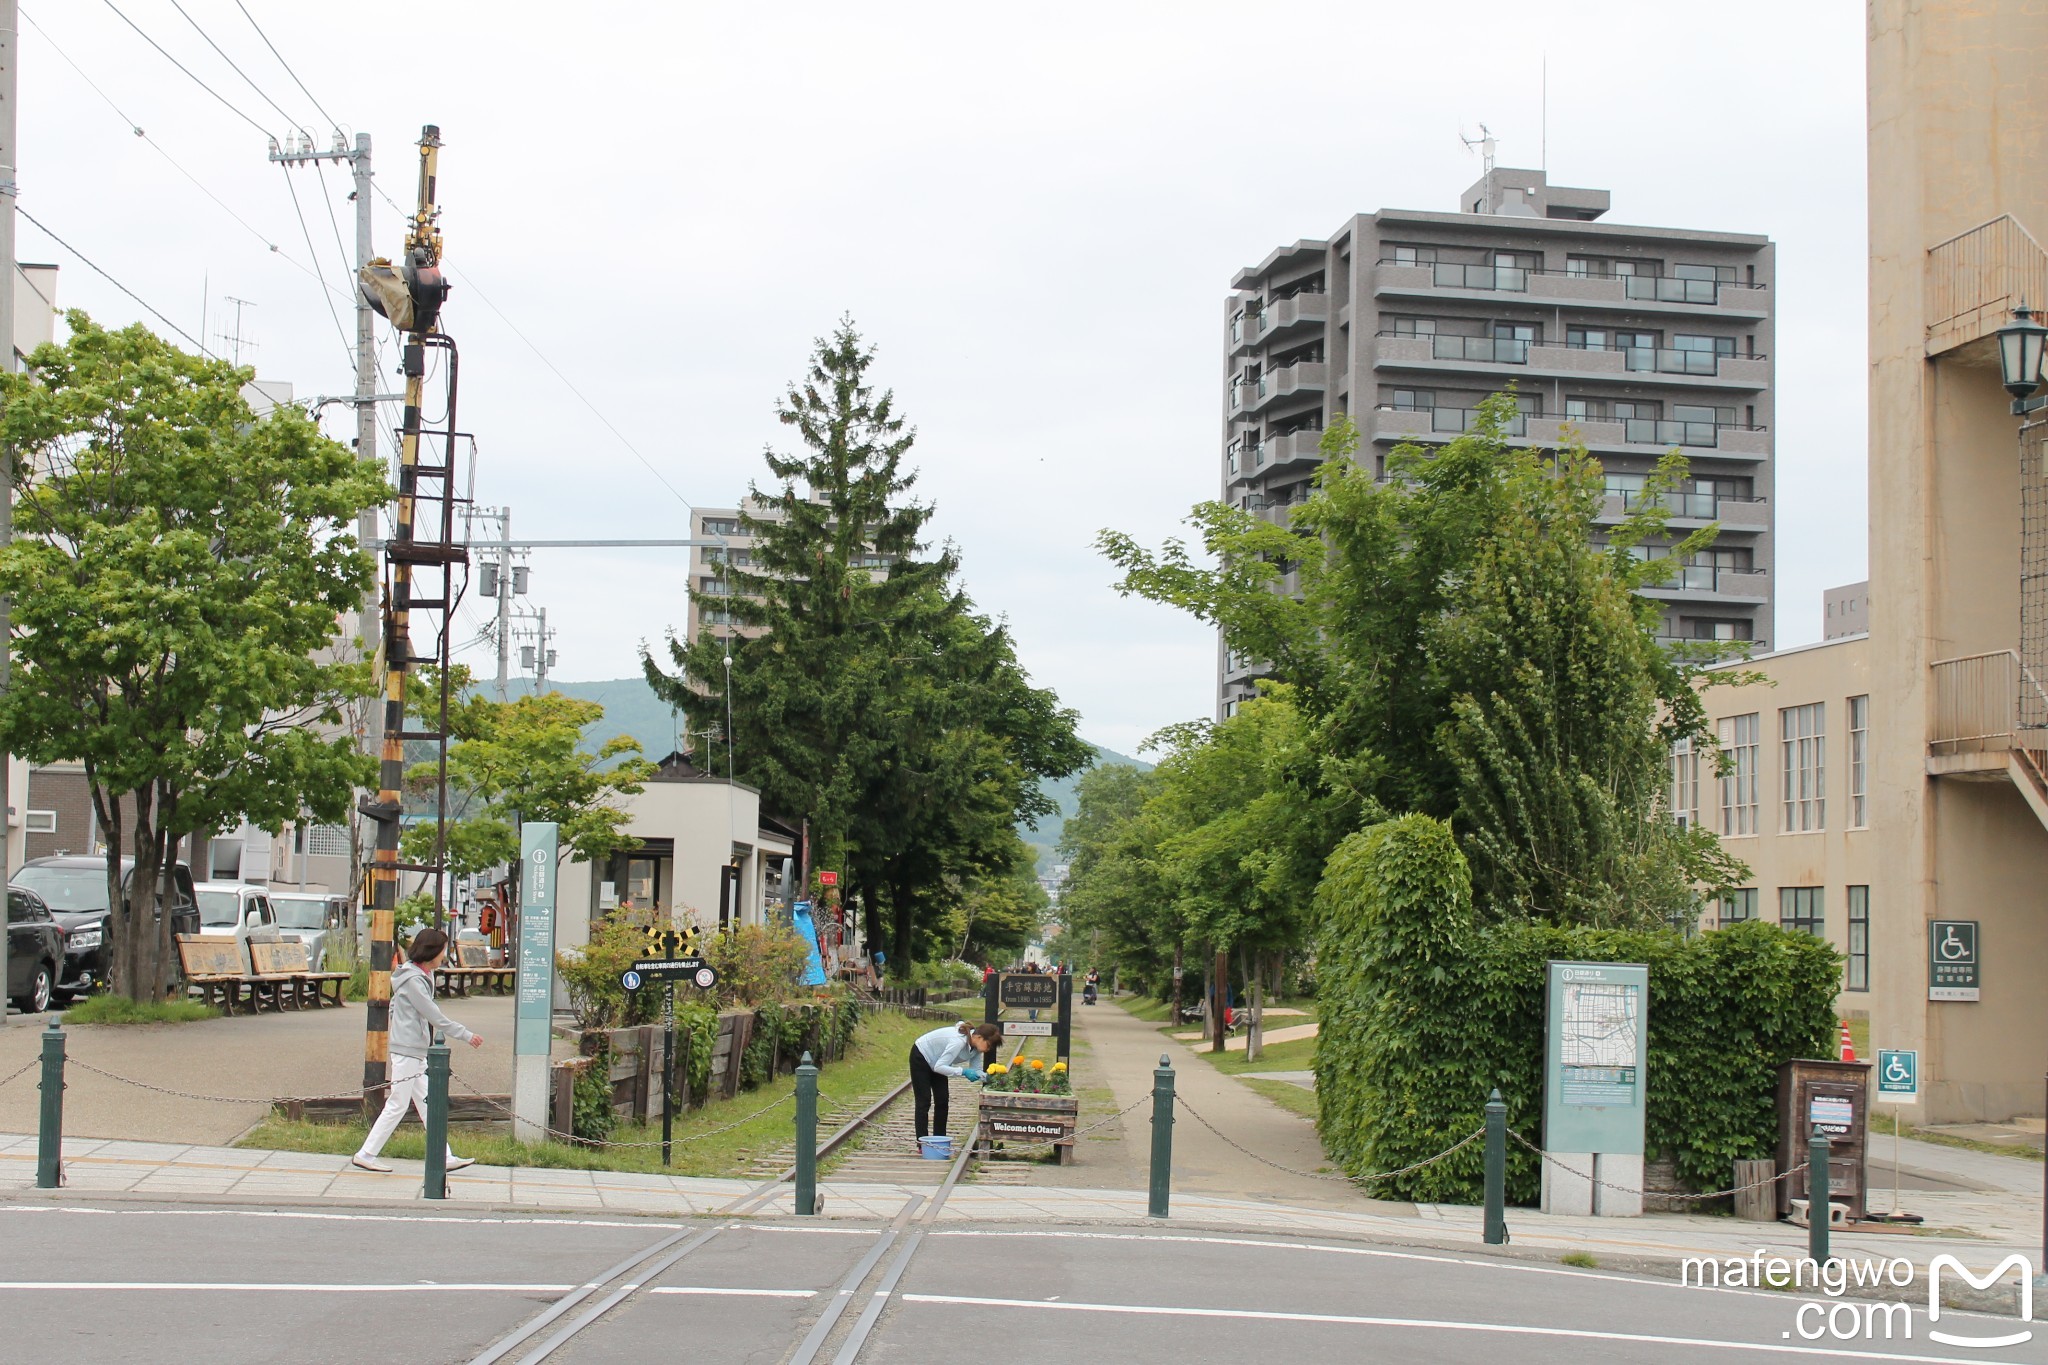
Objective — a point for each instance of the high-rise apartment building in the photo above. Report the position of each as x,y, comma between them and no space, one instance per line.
1638,339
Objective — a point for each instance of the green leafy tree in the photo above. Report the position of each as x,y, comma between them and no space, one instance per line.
520,760
1114,899
1000,911
177,576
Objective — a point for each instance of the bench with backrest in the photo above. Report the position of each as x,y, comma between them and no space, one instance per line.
285,976
474,969
213,970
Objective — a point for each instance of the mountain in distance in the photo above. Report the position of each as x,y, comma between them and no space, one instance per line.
631,708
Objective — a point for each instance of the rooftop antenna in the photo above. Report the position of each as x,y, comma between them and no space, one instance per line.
1543,146
235,339
1487,145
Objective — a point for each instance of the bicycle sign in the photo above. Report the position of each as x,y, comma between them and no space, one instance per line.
1952,960
1898,1075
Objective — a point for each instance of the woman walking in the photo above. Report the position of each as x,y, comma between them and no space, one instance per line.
944,1052
414,1017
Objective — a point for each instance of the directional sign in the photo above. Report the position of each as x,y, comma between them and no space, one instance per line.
1898,1075
1952,960
828,879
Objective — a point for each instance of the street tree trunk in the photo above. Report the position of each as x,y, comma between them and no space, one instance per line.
1254,1039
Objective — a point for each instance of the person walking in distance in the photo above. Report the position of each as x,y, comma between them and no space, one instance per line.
414,1018
944,1052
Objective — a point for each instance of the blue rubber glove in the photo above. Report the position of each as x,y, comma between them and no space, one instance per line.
968,1073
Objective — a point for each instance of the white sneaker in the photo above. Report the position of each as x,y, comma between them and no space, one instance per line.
369,1163
456,1163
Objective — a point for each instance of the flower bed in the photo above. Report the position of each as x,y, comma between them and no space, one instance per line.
1029,1102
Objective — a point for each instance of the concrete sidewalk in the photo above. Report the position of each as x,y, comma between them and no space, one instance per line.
168,1173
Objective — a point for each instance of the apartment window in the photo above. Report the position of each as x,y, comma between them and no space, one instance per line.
1229,709
1802,907
1585,409
1802,735
1700,412
1859,762
1636,410
1859,938
1739,736
327,841
1627,487
721,526
41,822
1586,267
1685,784
1237,325
1722,274
1716,628
1738,905
1588,338
1684,341
1414,400
715,587
1414,255
1414,327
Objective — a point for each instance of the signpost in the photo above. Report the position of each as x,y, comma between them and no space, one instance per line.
671,957
1952,960
534,1019
1898,1082
1595,1056
1034,991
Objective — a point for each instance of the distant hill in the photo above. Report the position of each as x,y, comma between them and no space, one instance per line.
631,708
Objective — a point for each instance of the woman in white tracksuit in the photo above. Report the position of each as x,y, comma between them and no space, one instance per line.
414,1017
955,1051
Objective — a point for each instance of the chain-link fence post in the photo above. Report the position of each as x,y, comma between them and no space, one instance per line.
806,1136
1496,1170
1819,1203
437,1118
1162,1137
50,1139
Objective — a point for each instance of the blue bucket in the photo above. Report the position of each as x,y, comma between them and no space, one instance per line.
938,1148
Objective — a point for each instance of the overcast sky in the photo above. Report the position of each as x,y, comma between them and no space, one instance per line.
1032,212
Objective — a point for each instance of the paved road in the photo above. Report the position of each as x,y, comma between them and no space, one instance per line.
92,1284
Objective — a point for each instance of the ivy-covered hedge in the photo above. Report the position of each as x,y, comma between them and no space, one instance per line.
1424,1011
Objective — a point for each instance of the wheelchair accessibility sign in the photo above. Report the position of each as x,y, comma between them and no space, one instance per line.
1952,960
1898,1075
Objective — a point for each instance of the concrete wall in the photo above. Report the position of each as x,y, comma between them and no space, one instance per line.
708,821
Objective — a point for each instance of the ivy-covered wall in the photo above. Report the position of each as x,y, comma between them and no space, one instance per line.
1424,1011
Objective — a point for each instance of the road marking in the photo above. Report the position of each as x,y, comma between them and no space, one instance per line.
711,1291
259,1287
1431,1324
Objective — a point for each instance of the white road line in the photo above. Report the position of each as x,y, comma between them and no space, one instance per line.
711,1291
259,1287
1431,1324
422,1217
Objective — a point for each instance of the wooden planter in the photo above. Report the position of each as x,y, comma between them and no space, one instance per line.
1029,1118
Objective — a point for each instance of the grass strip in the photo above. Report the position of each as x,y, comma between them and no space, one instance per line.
107,1008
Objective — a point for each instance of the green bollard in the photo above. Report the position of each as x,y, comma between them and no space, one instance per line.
437,1118
1818,1206
1162,1137
806,1136
1496,1170
50,1142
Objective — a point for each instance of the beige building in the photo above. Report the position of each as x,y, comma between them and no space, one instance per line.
1884,783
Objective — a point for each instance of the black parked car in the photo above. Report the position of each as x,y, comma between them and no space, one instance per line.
35,945
74,887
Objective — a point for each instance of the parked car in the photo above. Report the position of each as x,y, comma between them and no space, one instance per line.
314,918
35,947
238,908
73,887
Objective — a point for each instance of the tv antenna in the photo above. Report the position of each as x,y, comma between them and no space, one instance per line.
235,340
1486,144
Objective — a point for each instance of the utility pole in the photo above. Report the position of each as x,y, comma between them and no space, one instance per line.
542,654
10,53
504,605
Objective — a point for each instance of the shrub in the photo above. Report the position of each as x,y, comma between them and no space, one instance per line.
592,975
1423,1012
592,1116
756,964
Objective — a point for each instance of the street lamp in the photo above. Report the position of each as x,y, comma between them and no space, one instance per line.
2020,346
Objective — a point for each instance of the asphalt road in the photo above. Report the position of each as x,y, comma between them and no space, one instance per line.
80,1283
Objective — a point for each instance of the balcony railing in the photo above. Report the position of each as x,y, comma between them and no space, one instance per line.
1658,432
1976,702
1467,419
1713,578
1672,289
1519,279
1720,646
1693,506
1491,350
1505,278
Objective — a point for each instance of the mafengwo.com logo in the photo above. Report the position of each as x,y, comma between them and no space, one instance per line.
1841,1318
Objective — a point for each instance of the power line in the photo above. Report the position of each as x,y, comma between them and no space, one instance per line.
346,344
348,270
188,72
116,283
289,121
332,122
177,166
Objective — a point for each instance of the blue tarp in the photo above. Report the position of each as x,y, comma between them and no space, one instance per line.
814,966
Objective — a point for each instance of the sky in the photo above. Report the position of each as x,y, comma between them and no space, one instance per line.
652,211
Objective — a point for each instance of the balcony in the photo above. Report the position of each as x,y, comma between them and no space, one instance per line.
1712,581
1295,445
1633,436
1632,293
1733,514
1304,311
1301,379
1739,649
1694,369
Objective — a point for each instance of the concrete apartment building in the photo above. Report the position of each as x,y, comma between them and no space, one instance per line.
1639,339
1889,789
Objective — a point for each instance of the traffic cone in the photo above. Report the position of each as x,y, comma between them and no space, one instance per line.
1848,1048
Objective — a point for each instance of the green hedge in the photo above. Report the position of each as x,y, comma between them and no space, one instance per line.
1424,1011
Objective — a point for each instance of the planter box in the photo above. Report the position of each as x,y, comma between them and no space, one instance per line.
1029,1118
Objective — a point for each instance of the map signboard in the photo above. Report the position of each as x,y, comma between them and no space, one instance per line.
1595,1053
536,991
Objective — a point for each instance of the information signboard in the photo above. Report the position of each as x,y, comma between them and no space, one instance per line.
1027,1028
1028,990
1595,1053
1952,959
536,1006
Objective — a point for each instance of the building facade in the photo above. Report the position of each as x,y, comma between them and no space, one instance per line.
1890,790
1635,339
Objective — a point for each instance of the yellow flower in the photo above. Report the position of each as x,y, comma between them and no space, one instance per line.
1037,1065
1059,1066
997,1069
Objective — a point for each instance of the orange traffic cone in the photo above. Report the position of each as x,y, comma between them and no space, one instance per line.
1848,1048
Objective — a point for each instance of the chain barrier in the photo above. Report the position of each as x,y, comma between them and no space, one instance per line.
1375,1177
1084,1132
1674,1196
71,1060
33,1063
561,1136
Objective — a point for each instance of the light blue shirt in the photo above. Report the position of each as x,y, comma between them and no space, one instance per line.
947,1050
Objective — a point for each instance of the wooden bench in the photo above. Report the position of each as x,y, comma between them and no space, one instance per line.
213,969
474,970
287,979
